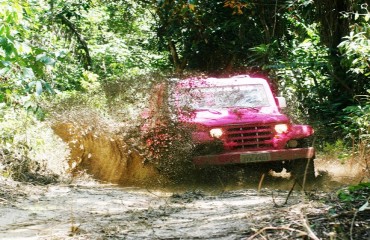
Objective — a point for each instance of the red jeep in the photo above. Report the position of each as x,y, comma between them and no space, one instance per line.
237,120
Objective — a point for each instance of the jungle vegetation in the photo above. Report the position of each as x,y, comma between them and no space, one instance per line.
316,53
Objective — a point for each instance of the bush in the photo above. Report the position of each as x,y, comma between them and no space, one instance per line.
29,150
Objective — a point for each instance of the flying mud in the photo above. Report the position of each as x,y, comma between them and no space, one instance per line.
108,158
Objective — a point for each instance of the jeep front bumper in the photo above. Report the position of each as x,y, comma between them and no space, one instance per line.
246,157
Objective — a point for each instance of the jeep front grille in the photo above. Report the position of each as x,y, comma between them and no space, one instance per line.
249,137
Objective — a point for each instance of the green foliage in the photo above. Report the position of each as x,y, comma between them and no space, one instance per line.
309,75
357,119
355,48
206,35
29,151
298,62
358,192
356,125
24,66
336,151
48,47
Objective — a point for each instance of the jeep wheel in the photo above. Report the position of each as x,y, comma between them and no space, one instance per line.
298,169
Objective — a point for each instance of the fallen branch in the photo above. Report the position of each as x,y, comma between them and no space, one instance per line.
352,224
290,192
80,38
276,228
260,182
307,227
354,217
287,198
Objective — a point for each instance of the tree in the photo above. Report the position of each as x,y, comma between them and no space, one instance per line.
24,64
204,35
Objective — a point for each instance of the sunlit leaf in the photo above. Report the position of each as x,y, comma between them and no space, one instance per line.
45,59
3,71
6,63
28,73
38,88
367,17
364,207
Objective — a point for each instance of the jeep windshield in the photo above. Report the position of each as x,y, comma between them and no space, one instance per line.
218,97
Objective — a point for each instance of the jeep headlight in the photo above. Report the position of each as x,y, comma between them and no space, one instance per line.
281,128
216,132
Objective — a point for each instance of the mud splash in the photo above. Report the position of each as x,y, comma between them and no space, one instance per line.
98,148
104,155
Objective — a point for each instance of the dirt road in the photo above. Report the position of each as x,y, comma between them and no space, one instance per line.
97,211
85,209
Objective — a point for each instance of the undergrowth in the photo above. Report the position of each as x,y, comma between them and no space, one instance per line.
29,150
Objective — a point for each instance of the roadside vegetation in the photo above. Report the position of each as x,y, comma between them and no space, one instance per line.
81,61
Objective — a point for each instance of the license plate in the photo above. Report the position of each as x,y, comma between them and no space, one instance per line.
254,157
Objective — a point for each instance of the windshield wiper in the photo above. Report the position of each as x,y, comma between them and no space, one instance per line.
247,108
208,110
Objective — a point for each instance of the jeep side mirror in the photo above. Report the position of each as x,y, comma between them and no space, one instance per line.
281,102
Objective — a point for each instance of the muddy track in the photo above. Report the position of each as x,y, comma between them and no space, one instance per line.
96,211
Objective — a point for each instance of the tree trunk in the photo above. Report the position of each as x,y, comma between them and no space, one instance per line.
80,40
333,28
178,64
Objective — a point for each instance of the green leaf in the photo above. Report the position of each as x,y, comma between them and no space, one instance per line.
49,88
2,30
38,88
3,71
45,59
28,73
344,196
367,17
